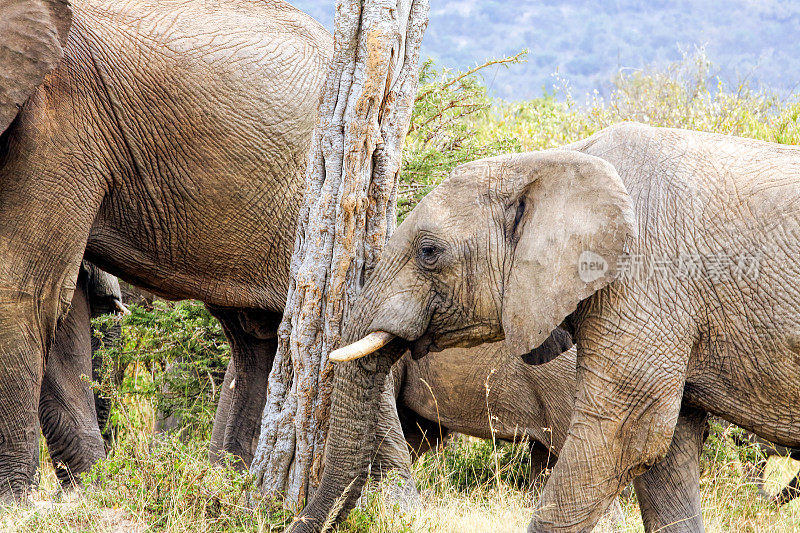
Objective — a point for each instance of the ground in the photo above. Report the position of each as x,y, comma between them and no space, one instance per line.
166,485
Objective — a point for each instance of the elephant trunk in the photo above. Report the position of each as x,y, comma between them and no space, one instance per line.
351,439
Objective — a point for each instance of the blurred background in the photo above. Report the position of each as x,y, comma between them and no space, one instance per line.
586,43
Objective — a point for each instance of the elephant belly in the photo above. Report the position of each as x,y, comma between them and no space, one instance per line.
231,265
759,391
216,132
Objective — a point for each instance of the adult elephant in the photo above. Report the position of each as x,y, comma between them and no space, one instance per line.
670,256
167,141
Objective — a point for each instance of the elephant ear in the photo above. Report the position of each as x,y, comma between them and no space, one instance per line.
569,217
557,343
32,36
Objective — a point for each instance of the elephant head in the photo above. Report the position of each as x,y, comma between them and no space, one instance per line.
506,247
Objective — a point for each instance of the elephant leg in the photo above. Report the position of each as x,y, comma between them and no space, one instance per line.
221,415
623,419
253,336
21,369
46,214
542,460
103,404
392,461
669,492
789,492
28,318
66,407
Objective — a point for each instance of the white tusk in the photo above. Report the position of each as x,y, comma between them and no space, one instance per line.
360,348
233,384
121,307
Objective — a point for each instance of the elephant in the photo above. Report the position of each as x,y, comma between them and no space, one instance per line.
166,143
756,470
670,257
68,411
463,387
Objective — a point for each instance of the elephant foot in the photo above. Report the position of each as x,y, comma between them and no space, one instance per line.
612,521
19,474
400,491
16,494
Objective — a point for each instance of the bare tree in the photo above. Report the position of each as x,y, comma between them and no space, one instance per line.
347,216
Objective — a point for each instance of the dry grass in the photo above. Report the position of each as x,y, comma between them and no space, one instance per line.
165,485
730,502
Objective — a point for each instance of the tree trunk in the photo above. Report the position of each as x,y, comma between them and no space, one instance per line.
348,213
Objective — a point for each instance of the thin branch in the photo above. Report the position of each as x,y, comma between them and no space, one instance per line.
508,60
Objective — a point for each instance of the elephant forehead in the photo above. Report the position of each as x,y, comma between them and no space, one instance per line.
452,208
474,185
478,178
502,177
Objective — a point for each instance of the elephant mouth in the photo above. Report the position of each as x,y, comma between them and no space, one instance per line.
436,341
423,346
430,341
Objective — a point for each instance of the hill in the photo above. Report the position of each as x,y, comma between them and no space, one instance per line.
587,42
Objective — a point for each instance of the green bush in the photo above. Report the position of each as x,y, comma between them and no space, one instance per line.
174,488
465,464
170,358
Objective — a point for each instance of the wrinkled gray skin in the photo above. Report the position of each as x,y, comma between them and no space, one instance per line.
494,253
461,387
68,411
167,140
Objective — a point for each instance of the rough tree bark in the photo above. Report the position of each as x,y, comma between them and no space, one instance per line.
347,216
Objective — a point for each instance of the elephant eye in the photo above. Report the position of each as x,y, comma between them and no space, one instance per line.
518,216
429,254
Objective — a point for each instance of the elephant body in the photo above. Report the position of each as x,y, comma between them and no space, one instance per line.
166,141
669,255
461,388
